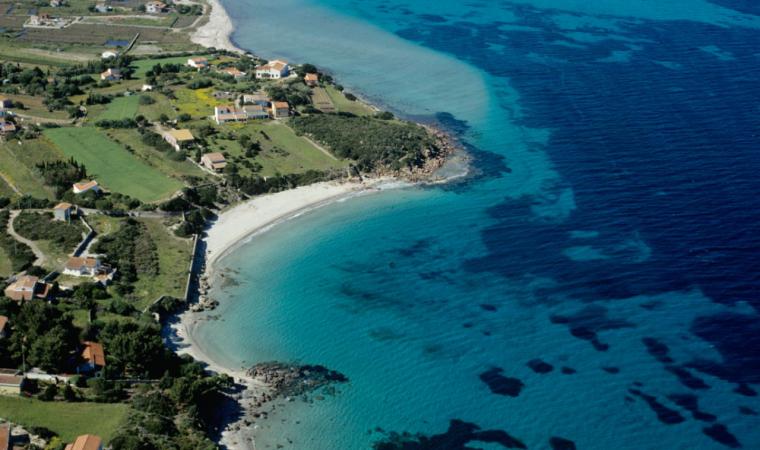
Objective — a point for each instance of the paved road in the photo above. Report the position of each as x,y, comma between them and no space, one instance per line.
37,252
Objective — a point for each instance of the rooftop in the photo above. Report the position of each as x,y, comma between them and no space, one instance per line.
77,262
215,157
86,442
181,135
93,352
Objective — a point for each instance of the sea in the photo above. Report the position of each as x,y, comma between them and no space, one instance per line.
593,283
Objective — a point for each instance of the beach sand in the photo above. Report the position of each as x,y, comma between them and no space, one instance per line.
217,31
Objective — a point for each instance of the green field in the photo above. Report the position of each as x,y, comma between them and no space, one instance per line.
144,65
6,268
17,164
68,420
112,165
149,155
345,105
121,108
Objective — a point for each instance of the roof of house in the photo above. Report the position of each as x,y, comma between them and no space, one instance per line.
112,71
25,282
7,126
311,77
181,135
93,352
3,323
281,105
234,71
277,65
215,157
77,262
63,205
86,442
5,436
11,380
85,186
199,60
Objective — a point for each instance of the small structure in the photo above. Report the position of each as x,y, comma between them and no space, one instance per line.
155,7
256,112
5,436
82,266
273,70
229,113
7,128
57,3
102,8
93,357
234,73
109,54
5,103
25,288
256,98
3,333
87,186
86,442
179,139
214,161
146,88
65,211
197,63
10,382
311,79
280,110
111,75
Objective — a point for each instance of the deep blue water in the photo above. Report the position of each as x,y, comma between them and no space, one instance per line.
597,279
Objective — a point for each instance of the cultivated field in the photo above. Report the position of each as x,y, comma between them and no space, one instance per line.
121,108
321,100
112,165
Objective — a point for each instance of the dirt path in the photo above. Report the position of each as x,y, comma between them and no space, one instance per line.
35,249
10,183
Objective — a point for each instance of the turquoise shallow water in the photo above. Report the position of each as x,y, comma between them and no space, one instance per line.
609,230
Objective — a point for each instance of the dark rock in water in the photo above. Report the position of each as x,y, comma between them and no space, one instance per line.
501,385
690,403
540,366
568,370
664,414
737,338
588,322
457,437
658,350
719,433
558,443
745,390
467,325
612,370
292,380
747,411
487,307
687,378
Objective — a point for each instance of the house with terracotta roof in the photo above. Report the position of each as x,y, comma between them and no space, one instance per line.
25,288
86,186
273,70
3,328
86,442
5,436
230,113
197,63
311,79
280,110
11,382
111,75
65,211
155,7
7,128
214,161
93,357
234,72
179,139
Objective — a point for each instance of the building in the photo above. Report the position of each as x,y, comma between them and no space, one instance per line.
256,112
3,331
93,357
65,211
214,161
57,3
7,128
111,75
234,73
229,113
109,54
5,103
25,288
273,70
82,266
257,98
146,88
10,382
81,188
86,442
5,436
311,79
280,110
179,139
197,63
102,8
155,7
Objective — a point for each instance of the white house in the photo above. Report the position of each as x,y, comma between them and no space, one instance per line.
257,98
197,63
147,87
155,7
273,70
214,161
108,54
179,139
80,188
111,75
64,211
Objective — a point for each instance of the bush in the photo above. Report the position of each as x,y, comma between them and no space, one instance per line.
146,100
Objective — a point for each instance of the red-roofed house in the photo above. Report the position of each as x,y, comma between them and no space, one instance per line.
5,436
86,442
80,188
64,211
273,70
311,79
93,357
234,72
24,288
197,63
214,161
280,110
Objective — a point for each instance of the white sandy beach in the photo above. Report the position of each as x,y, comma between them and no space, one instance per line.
217,31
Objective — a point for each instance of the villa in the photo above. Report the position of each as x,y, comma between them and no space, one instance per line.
65,211
155,7
197,63
10,382
280,109
311,79
111,75
89,266
179,139
3,324
234,72
273,70
229,113
7,128
81,188
86,442
25,288
214,161
93,356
